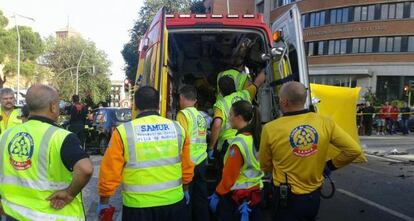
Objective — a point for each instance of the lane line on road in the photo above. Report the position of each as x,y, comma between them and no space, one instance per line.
376,205
384,158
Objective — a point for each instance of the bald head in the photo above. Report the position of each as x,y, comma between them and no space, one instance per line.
294,92
40,96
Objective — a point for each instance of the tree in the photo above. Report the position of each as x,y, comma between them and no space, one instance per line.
145,16
62,57
31,48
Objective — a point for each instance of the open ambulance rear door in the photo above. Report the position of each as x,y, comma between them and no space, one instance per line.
152,63
293,64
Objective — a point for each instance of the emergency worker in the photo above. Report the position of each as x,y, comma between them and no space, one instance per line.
150,157
221,130
294,148
10,115
43,168
238,195
237,71
195,128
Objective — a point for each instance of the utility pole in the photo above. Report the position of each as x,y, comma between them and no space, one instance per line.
18,53
77,72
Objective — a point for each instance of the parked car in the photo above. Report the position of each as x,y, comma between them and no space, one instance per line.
101,123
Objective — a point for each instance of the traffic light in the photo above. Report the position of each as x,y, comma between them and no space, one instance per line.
406,89
126,85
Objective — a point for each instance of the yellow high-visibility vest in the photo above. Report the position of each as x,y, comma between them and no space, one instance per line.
32,170
152,175
197,128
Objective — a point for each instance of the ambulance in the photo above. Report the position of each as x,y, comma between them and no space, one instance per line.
180,49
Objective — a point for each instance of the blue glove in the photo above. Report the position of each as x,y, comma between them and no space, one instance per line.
244,211
214,200
210,154
100,207
187,197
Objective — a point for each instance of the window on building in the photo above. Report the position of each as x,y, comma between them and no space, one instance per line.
312,20
362,45
338,15
317,19
345,15
382,44
343,46
364,13
377,12
310,50
357,14
321,46
371,12
404,44
390,44
369,44
399,11
349,46
384,11
411,44
331,47
412,10
323,17
333,16
260,7
274,4
355,45
397,44
391,12
337,46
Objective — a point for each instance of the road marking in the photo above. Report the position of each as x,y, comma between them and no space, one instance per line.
384,158
378,206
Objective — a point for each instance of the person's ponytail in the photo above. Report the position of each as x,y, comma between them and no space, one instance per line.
251,115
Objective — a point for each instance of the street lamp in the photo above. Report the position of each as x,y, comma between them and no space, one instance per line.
18,52
77,72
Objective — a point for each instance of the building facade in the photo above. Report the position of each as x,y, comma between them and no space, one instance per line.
363,43
352,43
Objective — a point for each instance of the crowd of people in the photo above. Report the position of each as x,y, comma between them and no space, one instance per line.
386,120
160,163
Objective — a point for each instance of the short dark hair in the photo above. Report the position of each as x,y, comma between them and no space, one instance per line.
147,98
189,92
75,98
226,85
25,111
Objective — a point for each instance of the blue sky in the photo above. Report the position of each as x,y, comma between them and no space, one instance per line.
105,22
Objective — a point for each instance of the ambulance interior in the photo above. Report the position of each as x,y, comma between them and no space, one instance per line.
196,58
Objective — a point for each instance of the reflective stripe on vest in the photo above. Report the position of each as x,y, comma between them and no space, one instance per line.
198,144
152,187
2,147
36,215
33,184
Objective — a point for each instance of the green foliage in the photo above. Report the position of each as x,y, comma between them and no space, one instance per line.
145,16
370,96
62,57
31,45
398,103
